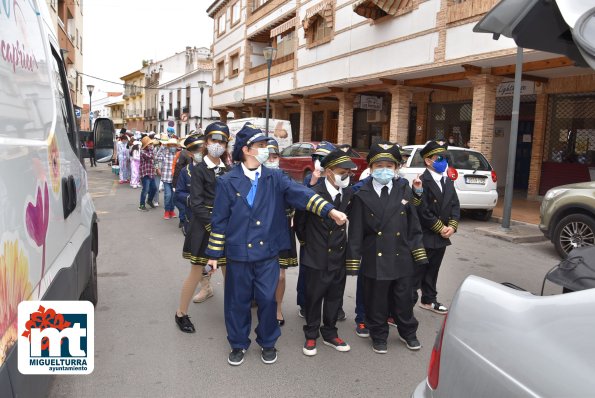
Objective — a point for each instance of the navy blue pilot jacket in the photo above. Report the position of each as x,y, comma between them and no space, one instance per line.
251,234
385,238
437,210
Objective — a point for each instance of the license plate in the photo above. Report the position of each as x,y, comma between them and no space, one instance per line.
475,180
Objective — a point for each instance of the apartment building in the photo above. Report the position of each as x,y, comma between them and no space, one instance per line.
117,113
172,90
134,100
67,17
102,106
357,71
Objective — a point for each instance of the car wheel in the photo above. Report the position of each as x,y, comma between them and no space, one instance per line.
90,292
575,230
483,215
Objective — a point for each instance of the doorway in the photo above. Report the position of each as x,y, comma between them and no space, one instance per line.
522,166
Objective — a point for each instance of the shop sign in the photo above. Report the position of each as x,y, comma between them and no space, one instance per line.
369,102
506,89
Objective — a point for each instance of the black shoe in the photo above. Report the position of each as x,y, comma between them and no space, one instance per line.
281,321
301,313
309,349
379,347
362,331
341,315
142,208
436,307
412,343
151,204
180,224
269,355
236,357
185,324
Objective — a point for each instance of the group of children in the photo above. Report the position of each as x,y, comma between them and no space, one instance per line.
243,215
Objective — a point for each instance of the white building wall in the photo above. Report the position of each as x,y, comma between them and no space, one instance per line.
462,42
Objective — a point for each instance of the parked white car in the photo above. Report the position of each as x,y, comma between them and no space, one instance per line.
474,178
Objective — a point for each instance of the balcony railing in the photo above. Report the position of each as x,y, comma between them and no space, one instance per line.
279,65
177,113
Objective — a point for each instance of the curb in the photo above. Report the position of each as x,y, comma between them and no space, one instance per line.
527,233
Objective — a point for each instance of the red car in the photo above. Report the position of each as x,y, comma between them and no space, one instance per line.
296,160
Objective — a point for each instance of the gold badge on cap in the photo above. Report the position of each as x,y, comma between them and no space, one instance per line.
386,147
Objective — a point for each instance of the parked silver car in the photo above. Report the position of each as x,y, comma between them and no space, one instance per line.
474,178
501,342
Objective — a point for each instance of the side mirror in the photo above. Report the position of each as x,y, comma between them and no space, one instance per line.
103,135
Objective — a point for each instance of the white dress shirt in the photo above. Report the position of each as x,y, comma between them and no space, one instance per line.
437,177
378,187
210,164
251,174
332,190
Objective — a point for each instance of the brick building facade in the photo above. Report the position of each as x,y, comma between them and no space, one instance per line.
359,71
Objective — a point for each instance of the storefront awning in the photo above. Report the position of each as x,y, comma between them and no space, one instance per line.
375,9
323,9
284,27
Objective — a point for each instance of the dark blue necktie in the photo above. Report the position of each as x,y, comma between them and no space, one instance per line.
252,193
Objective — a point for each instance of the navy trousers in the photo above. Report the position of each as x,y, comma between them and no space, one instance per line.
243,282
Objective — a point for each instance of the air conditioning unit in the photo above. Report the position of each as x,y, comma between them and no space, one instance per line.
376,117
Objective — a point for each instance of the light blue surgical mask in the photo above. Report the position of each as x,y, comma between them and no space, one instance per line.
172,150
383,176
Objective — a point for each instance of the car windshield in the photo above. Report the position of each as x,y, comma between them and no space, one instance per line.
467,160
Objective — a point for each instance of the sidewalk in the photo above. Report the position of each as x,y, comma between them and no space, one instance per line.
523,210
525,220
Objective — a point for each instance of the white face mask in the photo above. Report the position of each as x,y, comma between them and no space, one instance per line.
317,165
197,157
215,150
340,182
273,164
263,155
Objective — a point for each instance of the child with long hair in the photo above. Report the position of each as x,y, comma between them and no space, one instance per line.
202,198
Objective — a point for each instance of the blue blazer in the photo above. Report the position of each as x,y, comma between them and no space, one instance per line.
249,234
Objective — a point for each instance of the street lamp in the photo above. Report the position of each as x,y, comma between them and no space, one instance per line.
269,54
162,119
90,88
201,85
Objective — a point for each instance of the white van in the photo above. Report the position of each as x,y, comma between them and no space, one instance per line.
280,130
48,224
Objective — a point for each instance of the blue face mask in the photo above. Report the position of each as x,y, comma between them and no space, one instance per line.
440,165
383,176
172,150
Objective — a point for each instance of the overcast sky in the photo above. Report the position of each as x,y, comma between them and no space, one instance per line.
119,34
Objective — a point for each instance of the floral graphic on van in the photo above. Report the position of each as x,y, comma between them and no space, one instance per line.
14,288
54,163
43,319
37,217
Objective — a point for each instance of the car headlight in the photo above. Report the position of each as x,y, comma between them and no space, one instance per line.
554,192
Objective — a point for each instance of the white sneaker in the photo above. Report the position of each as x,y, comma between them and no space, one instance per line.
156,204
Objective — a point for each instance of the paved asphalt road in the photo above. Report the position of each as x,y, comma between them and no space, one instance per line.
141,353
